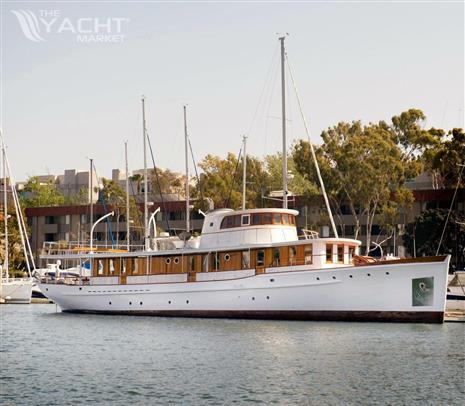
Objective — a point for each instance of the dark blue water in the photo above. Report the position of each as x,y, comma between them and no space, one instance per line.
50,358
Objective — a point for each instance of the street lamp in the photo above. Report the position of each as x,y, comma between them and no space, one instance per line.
92,229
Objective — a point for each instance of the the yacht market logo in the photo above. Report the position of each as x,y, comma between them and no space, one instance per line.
41,25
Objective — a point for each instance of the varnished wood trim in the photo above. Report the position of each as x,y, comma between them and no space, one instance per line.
360,316
438,258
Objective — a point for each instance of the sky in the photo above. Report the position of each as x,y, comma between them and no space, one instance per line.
68,94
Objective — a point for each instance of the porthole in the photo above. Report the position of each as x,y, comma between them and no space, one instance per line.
317,278
130,303
176,260
140,303
267,297
350,276
227,257
368,274
46,289
168,261
271,280
387,273
109,303
187,301
169,301
334,277
80,288
253,298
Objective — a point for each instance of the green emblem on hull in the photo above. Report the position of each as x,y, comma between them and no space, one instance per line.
423,291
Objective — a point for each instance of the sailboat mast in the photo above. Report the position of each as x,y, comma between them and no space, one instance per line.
187,170
146,213
283,107
127,194
5,208
244,171
91,193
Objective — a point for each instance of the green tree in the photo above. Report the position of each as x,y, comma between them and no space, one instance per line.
114,195
15,249
361,166
40,194
422,236
448,158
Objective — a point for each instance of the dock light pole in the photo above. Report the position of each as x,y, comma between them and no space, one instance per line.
92,229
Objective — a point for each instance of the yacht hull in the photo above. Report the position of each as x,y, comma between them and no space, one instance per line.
16,291
410,292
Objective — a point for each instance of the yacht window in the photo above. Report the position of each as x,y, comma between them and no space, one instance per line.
277,218
260,257
340,254
308,254
112,266
285,219
123,265
329,253
292,220
192,263
255,219
351,253
245,259
100,267
276,257
216,262
292,254
246,219
267,218
136,265
205,262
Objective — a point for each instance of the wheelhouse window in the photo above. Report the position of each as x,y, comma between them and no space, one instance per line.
351,253
267,218
246,219
255,219
285,219
260,257
277,218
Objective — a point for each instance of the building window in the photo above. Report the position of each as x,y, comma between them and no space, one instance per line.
50,237
260,257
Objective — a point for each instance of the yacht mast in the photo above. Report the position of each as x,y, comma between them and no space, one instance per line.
146,213
127,194
283,107
244,171
5,208
186,140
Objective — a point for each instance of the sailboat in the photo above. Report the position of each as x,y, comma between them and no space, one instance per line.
252,263
13,290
